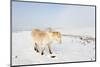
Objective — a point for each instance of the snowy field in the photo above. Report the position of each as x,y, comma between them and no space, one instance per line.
73,48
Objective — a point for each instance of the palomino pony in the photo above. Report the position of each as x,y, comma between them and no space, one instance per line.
42,39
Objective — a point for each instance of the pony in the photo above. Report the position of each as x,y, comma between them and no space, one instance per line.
42,39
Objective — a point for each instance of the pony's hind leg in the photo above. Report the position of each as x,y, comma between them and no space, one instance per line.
36,47
42,53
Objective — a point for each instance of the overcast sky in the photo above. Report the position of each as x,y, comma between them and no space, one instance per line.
26,16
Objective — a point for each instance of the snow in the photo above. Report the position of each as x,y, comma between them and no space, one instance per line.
72,49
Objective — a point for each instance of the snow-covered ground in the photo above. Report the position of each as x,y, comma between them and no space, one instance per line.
72,49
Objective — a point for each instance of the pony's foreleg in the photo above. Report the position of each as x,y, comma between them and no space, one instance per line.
49,47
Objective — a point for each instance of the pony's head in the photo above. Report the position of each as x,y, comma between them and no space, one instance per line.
57,36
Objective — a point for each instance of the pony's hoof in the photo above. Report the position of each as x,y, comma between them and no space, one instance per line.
42,53
36,50
53,56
